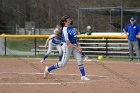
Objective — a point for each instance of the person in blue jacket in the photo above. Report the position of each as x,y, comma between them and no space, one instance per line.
132,30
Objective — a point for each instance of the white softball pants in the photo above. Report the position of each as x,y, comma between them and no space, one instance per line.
51,46
67,51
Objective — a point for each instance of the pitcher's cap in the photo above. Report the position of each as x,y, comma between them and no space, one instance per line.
132,19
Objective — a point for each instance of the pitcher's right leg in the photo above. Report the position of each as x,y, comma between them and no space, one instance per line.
66,55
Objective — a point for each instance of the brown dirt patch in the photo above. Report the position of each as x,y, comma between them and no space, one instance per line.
25,76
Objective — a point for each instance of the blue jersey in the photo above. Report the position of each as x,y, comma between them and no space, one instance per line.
56,40
69,34
132,31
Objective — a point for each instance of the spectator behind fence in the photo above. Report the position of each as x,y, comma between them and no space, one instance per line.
132,30
89,30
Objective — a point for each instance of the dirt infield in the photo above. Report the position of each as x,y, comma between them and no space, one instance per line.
21,75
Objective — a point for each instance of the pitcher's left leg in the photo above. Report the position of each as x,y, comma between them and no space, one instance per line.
79,59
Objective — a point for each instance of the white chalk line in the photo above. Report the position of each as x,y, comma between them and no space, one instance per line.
57,83
61,74
94,60
50,83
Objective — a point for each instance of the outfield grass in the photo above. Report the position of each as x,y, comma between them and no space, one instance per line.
15,56
39,56
124,59
22,44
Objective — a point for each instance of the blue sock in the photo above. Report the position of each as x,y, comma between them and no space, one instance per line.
82,70
60,57
53,67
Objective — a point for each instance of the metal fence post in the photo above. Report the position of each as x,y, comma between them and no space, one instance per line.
106,46
5,45
35,46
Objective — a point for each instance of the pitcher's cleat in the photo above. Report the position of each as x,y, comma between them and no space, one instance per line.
84,78
42,60
46,72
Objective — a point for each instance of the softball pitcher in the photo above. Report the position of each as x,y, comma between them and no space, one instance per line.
70,46
54,41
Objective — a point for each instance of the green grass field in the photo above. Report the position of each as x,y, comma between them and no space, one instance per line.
19,44
23,44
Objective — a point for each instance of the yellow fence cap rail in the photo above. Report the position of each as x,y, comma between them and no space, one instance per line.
102,36
24,36
95,35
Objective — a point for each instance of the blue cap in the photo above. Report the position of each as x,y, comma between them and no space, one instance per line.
132,18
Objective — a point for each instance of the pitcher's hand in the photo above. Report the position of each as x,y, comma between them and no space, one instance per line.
79,49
